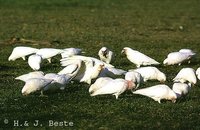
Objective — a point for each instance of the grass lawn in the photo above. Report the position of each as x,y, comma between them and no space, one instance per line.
152,27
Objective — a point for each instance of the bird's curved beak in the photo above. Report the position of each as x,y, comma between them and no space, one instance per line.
123,51
174,100
105,53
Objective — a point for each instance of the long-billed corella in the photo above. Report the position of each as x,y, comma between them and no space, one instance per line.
48,53
34,61
134,77
138,58
114,87
88,68
158,92
151,73
198,73
186,75
179,57
21,52
105,55
181,89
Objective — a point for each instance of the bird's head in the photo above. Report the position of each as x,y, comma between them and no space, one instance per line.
130,85
165,62
162,77
124,50
104,51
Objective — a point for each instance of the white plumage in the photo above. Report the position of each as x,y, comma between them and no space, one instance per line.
30,75
105,55
138,58
198,73
181,89
21,52
111,72
35,84
99,83
88,70
134,77
59,81
114,87
48,53
177,57
34,61
158,92
151,73
67,52
186,75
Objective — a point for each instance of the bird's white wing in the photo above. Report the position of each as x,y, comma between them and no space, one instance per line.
46,53
21,52
34,61
35,74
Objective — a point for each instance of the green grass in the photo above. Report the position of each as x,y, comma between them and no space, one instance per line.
152,27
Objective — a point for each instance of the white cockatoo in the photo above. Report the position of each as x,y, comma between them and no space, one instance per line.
21,52
114,87
181,89
111,72
59,81
158,92
30,75
177,58
134,77
35,84
198,73
99,83
88,70
105,55
34,61
138,58
186,75
67,52
151,73
48,53
189,52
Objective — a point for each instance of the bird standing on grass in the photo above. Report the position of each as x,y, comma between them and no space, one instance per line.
186,75
21,52
158,92
114,87
178,57
105,55
151,73
138,58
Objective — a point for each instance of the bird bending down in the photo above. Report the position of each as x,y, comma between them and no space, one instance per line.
48,53
114,87
138,58
158,92
135,77
99,83
198,73
186,75
177,58
181,89
151,73
21,52
34,61
35,84
105,55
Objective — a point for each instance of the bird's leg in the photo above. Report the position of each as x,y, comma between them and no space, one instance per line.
42,94
24,58
49,59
